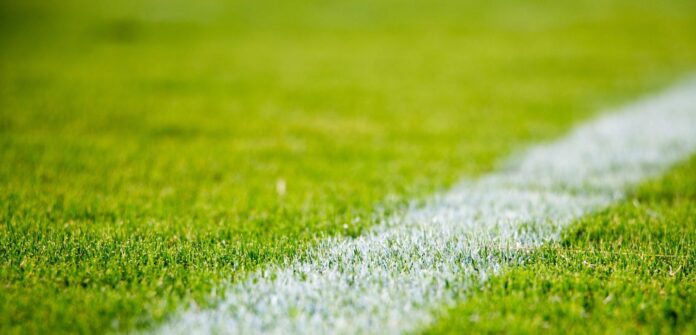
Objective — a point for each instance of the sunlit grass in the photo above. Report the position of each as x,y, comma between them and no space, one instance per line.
142,143
629,269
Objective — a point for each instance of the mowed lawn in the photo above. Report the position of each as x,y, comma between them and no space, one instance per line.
152,150
626,270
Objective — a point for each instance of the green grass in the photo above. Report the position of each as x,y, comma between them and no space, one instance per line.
629,269
142,142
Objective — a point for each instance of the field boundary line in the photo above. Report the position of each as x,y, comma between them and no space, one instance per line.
393,278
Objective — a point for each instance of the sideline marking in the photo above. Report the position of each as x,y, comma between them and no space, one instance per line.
391,279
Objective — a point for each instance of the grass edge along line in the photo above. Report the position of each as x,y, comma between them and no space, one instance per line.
391,279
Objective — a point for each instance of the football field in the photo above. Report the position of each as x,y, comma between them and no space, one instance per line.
348,167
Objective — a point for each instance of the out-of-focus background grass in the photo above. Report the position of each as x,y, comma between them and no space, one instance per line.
153,149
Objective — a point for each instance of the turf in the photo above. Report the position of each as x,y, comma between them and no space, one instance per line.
630,269
145,145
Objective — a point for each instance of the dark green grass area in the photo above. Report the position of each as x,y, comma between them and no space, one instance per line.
144,144
629,269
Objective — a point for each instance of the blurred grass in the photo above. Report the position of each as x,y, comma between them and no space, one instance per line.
627,270
143,142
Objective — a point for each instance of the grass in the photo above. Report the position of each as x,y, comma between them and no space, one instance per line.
143,145
629,269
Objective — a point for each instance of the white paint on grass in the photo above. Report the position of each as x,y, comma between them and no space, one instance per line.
394,277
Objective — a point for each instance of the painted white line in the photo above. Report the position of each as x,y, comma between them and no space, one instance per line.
391,279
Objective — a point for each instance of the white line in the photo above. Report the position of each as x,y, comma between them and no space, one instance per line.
391,279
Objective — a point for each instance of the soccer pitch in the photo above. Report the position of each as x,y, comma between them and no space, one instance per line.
176,167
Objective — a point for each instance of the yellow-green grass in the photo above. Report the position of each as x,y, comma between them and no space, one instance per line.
144,144
629,269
